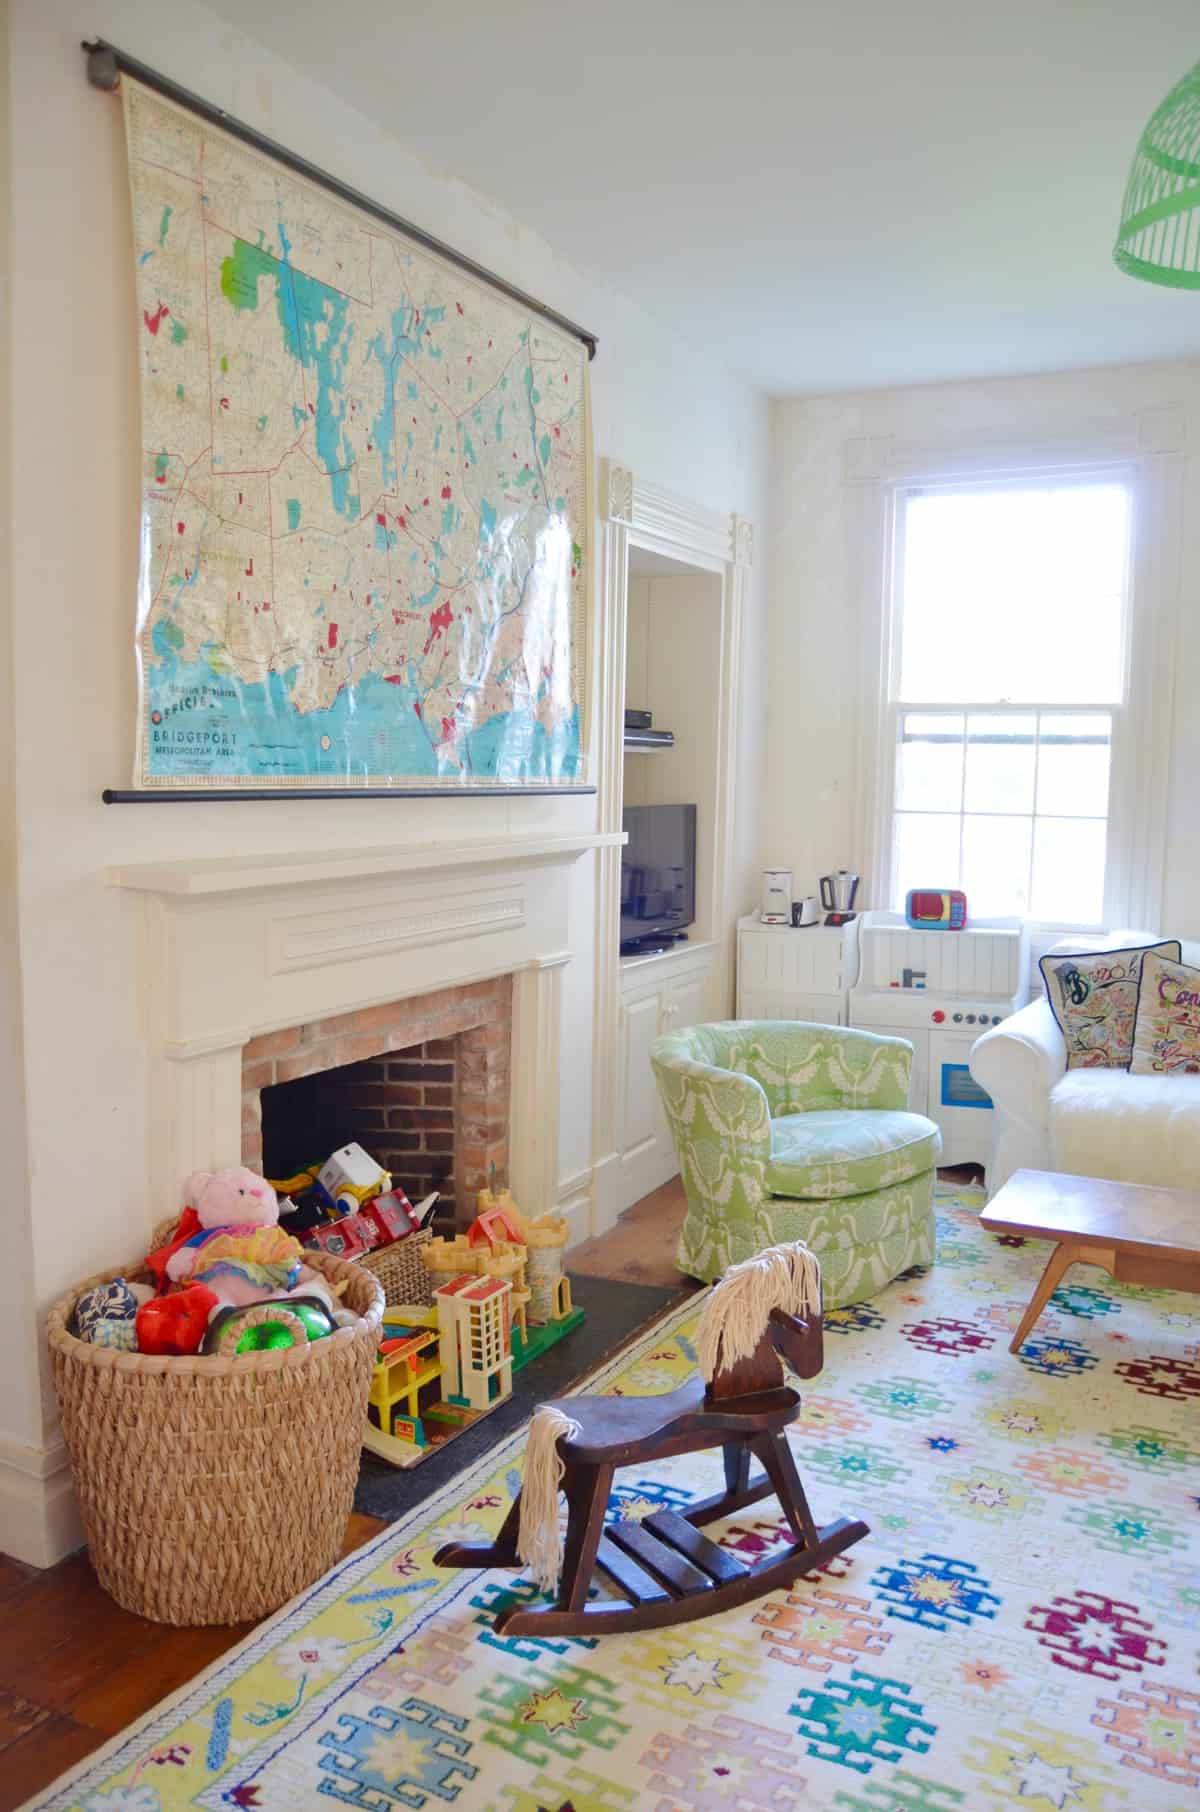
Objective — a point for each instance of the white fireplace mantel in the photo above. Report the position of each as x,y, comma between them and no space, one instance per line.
234,947
242,874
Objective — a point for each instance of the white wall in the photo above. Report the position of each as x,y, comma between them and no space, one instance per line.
661,406
17,1319
817,734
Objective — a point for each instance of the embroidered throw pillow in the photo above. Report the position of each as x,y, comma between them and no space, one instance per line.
1094,997
1166,1039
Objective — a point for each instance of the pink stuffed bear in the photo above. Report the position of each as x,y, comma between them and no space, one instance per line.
241,1252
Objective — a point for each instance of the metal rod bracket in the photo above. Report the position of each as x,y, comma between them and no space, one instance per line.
102,70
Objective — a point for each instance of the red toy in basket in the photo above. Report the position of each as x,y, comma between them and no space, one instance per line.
393,1215
341,1239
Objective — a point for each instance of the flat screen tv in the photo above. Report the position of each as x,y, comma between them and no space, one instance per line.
658,876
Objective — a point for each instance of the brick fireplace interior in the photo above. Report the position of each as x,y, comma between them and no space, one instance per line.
422,1084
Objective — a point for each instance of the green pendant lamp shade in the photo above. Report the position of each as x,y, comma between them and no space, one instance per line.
1159,235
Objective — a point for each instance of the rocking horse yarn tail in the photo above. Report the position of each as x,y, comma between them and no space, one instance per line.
539,1536
737,1310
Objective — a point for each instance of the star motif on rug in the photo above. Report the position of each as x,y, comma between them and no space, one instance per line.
990,1496
635,1509
693,1673
726,1773
862,1721
553,1712
398,1755
931,1589
982,1673
1042,1780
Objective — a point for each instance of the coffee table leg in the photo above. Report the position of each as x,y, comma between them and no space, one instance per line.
1059,1261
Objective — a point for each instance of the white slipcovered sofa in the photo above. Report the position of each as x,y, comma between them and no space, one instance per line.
1092,1123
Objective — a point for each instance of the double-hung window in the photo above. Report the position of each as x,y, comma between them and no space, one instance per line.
1008,679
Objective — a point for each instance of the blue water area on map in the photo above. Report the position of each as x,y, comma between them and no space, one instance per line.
212,723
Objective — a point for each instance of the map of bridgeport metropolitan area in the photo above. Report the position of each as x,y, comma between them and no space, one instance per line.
364,491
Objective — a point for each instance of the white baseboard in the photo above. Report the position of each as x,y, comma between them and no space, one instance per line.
39,1518
606,1193
575,1202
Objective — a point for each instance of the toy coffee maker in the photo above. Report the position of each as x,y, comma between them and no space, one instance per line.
838,894
776,906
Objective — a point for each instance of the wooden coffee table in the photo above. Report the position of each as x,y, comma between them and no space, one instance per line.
1139,1235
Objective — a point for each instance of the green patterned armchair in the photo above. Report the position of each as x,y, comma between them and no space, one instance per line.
787,1131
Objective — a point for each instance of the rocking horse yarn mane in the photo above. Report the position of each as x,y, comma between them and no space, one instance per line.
736,1312
733,1322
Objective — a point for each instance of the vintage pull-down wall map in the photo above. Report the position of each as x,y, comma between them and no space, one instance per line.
366,492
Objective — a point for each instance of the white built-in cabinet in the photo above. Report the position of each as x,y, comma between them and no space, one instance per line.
788,972
672,579
658,994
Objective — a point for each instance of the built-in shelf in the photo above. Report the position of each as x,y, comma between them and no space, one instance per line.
657,960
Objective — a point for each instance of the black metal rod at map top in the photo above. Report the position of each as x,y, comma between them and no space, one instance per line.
105,66
201,795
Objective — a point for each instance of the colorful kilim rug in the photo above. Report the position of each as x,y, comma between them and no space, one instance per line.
1020,1629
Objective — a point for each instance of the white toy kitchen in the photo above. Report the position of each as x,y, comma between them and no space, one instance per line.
941,989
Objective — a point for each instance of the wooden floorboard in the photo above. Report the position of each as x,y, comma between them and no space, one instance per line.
75,1668
641,1247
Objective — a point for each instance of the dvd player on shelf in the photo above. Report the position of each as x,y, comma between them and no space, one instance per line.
649,739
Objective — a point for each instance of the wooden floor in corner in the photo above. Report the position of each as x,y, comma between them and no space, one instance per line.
75,1669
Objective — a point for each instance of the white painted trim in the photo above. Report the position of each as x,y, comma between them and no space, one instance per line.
1138,808
606,1201
536,1044
633,510
608,666
1146,446
575,1202
39,1518
675,525
240,874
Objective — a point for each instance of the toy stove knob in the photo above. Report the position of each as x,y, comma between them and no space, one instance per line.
937,1016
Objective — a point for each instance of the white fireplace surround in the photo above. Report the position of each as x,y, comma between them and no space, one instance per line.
233,947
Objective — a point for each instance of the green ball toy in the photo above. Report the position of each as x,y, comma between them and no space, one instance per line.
316,1318
264,1338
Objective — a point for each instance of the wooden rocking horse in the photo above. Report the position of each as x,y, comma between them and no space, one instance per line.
664,1569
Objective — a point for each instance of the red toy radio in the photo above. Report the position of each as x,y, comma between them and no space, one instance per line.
936,909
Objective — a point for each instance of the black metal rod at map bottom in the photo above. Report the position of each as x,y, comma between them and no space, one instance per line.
201,795
105,66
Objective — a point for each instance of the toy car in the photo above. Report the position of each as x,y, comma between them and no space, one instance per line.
350,1178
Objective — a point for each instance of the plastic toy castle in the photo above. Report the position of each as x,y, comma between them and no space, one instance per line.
502,1242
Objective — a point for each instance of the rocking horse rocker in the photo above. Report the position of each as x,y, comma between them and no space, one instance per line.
664,1569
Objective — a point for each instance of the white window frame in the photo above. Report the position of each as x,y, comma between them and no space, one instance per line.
894,709
1144,450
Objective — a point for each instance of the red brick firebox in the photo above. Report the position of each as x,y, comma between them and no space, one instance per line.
437,1113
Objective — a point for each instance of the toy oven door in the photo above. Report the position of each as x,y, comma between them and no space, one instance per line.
961,1108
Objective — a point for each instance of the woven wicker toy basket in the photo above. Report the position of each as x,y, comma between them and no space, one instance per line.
215,1489
399,1269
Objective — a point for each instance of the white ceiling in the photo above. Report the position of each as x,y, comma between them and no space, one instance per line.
827,195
